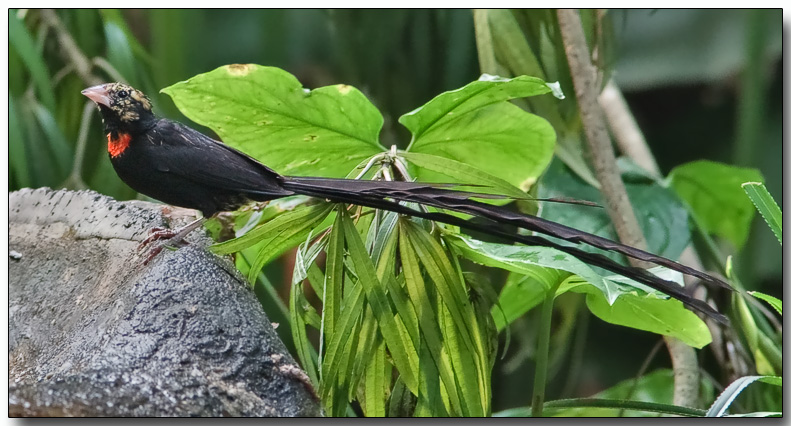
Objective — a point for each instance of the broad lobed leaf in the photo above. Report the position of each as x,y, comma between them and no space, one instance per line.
713,192
660,213
614,299
475,125
265,112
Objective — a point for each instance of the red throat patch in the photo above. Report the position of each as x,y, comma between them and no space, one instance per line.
116,146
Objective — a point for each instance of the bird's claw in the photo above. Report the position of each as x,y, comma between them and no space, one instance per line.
153,253
156,249
157,234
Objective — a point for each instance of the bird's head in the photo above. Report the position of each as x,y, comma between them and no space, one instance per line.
122,106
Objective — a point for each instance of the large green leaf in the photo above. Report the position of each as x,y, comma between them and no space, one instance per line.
614,299
649,312
660,213
529,43
265,112
462,172
713,192
476,125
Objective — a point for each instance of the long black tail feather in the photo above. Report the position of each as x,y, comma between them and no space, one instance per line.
377,194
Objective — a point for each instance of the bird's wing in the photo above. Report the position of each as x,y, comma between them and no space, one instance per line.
198,158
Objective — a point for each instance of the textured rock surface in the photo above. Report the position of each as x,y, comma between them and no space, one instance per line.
93,332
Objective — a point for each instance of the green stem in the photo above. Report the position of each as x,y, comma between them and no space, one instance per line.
542,350
753,90
652,407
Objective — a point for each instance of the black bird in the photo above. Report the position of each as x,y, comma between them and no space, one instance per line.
175,164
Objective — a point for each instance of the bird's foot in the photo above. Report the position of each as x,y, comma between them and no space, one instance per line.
156,234
165,238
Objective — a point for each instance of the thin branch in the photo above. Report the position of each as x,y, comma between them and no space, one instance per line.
75,179
109,69
74,56
585,78
627,134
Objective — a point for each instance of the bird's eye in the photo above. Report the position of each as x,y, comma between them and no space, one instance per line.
122,94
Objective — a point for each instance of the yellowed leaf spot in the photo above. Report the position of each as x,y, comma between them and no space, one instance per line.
527,183
344,88
238,69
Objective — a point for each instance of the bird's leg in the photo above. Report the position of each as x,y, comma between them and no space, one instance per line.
155,234
174,237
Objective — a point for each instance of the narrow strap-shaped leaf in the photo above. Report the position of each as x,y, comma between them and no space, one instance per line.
511,45
439,269
298,333
60,149
773,301
306,255
316,280
402,350
429,328
454,297
369,338
432,398
481,354
17,151
284,240
402,401
733,390
332,290
348,324
377,383
335,392
405,311
336,360
383,246
767,206
20,39
297,218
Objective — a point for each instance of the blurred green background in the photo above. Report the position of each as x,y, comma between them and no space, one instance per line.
702,85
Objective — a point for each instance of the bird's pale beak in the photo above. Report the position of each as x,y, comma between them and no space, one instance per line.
98,94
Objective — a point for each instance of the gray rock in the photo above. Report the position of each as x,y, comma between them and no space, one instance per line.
92,332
